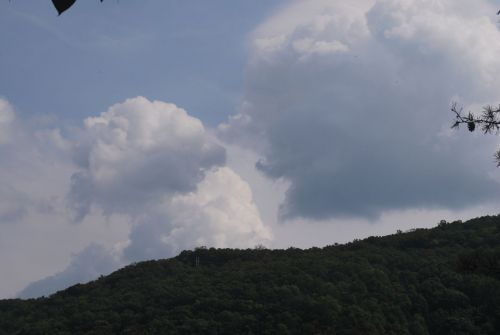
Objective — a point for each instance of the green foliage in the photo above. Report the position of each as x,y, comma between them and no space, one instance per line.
444,280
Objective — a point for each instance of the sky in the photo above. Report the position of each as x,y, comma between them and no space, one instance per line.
134,130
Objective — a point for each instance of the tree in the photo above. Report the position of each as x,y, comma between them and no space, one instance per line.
488,121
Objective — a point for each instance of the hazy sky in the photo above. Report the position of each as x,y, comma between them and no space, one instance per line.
131,130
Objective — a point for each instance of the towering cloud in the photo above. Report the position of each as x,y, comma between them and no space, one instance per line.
149,165
160,167
137,153
349,102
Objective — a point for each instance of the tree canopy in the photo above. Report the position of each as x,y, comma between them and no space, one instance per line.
444,280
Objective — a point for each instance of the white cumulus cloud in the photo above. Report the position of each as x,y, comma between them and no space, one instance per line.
144,180
137,153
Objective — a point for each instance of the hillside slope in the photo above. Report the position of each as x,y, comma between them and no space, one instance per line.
444,280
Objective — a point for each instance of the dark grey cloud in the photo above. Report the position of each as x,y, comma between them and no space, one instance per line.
353,105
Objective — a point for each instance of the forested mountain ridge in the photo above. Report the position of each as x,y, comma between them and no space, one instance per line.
444,280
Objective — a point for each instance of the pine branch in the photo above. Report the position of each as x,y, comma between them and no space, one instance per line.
488,120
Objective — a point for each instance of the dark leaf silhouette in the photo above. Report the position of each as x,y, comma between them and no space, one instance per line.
62,5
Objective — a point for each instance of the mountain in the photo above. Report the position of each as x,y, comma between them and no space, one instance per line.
444,280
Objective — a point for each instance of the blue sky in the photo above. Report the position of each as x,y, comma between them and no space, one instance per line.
131,130
97,54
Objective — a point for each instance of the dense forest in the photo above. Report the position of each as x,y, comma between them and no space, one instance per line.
444,280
